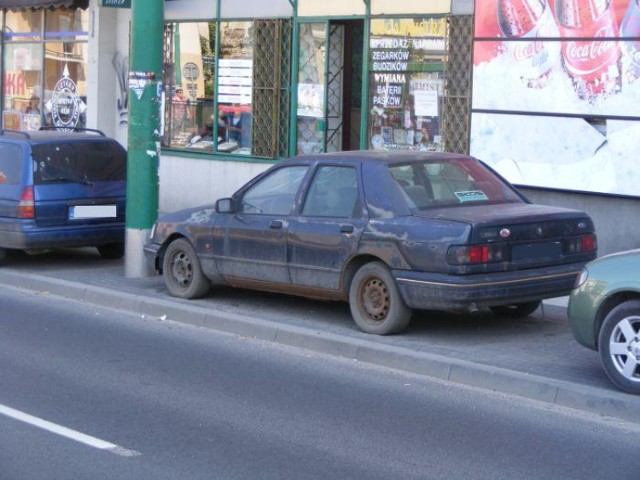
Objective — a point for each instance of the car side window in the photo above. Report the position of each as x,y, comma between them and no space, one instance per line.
10,164
275,193
333,193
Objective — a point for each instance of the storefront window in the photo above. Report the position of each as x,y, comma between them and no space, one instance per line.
235,87
251,91
406,78
189,84
23,26
45,82
67,25
311,88
65,101
22,71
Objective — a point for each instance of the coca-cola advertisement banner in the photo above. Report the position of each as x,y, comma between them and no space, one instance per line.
570,69
560,152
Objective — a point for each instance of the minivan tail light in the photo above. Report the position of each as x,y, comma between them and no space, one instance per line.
27,206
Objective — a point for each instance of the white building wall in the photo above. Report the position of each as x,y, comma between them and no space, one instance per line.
100,80
189,182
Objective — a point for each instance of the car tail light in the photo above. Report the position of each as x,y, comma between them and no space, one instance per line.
476,254
582,244
27,207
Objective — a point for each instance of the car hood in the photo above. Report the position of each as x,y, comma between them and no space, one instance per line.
523,221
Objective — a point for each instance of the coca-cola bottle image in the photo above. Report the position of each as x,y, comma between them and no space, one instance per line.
592,63
530,19
631,48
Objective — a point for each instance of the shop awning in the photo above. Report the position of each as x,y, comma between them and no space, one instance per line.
38,4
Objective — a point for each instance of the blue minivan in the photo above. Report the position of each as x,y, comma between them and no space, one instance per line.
62,189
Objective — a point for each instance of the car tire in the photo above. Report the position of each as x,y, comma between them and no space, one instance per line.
111,251
182,271
375,302
3,255
517,310
619,346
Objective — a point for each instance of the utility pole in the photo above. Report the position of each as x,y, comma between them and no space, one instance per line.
145,95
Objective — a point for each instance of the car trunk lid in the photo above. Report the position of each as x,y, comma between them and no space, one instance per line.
520,235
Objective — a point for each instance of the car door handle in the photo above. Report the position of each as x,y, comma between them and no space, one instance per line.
275,224
346,228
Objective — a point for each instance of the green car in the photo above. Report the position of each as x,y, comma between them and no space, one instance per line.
604,312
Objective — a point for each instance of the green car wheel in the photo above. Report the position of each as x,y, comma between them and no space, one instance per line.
619,343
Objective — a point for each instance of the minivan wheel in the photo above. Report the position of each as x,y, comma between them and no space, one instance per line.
182,272
517,310
619,346
111,251
375,302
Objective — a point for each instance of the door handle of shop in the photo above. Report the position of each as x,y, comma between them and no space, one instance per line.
346,228
275,224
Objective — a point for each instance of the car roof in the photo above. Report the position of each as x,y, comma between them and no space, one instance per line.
44,136
393,157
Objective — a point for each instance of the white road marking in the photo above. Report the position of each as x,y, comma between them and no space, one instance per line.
67,432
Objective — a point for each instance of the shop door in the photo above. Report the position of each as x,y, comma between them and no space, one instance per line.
329,86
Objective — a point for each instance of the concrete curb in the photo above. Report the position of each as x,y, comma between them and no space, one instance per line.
565,394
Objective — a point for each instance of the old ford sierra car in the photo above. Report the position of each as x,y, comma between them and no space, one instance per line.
387,232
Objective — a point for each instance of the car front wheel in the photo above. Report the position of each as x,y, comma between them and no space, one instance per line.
182,272
375,302
619,346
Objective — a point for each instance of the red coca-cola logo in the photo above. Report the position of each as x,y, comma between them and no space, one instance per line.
526,50
590,56
578,52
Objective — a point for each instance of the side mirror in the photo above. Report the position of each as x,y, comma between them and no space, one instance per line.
225,205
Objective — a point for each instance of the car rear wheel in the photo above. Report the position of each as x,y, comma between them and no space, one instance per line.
182,272
517,310
619,346
111,250
3,255
375,302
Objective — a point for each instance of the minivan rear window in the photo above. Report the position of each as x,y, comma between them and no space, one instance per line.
95,161
10,163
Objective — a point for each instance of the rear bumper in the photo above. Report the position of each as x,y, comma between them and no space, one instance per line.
452,292
27,235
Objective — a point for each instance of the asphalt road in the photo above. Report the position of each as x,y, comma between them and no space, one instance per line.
125,397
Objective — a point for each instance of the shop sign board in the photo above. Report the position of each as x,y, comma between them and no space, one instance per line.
555,100
116,3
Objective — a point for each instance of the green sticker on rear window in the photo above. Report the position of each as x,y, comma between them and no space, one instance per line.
471,196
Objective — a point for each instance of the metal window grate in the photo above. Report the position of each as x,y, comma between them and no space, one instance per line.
271,84
168,69
456,115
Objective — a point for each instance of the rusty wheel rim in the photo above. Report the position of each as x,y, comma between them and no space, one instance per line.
182,269
375,300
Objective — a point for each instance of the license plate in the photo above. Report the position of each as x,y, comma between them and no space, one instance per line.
79,212
531,251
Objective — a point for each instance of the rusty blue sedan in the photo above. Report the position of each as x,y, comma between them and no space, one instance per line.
387,232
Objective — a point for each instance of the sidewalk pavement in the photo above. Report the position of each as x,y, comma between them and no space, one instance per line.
535,357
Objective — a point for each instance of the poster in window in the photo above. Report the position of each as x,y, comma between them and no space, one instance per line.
556,89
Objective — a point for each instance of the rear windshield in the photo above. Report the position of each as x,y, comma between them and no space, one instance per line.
91,161
10,163
449,183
